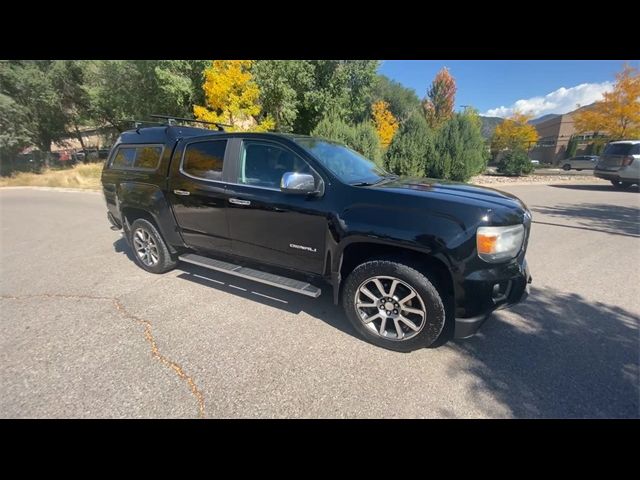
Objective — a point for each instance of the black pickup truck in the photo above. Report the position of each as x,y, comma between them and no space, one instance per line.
412,260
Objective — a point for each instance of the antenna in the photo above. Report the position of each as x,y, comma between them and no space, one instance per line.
172,121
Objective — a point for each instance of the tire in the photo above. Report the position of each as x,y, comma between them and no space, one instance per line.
157,258
579,169
368,320
618,185
566,167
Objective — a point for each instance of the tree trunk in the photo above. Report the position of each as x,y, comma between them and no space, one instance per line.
75,126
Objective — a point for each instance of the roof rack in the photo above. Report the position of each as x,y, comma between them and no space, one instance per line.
172,121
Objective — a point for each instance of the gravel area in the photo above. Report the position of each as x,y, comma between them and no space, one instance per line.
533,178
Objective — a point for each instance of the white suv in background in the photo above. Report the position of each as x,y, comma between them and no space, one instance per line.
620,163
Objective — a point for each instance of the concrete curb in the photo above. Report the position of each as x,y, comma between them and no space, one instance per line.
54,189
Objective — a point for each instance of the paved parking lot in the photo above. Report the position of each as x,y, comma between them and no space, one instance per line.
86,333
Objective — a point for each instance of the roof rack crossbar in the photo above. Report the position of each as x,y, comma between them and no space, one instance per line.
171,121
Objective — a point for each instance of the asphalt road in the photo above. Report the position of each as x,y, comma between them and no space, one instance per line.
86,333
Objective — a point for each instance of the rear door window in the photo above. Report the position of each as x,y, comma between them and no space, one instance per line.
618,149
144,157
204,159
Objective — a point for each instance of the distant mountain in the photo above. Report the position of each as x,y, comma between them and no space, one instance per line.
489,124
543,118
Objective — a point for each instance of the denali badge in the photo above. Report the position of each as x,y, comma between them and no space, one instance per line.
302,247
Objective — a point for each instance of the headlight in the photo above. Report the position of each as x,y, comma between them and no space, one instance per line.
496,244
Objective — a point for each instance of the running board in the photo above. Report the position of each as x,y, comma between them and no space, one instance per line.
278,281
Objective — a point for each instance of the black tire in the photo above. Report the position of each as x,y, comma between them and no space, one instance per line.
566,167
434,319
618,185
579,169
166,261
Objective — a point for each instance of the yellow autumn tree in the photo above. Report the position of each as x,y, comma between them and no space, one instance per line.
232,97
618,114
386,124
514,133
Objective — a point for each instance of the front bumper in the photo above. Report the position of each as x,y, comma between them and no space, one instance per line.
518,290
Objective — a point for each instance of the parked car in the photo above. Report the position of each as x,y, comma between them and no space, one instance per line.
581,162
620,163
411,260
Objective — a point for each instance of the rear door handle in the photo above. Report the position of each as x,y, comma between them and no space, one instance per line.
181,192
237,201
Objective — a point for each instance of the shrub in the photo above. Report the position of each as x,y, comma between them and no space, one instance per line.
515,163
362,137
412,148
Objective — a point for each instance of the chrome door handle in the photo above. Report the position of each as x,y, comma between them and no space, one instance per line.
237,201
181,192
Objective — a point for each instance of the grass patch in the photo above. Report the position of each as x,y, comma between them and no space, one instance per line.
81,176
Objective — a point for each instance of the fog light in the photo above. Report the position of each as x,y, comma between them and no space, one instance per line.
500,291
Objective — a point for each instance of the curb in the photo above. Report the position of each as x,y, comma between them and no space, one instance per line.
53,189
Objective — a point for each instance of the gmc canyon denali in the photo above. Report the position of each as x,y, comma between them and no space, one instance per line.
412,260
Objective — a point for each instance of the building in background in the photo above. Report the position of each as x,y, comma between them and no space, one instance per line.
555,133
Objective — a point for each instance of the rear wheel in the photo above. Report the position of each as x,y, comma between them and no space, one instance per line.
393,305
566,166
620,185
149,249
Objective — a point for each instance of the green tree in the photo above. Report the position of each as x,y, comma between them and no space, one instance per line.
134,89
282,86
14,134
515,162
30,84
402,101
336,87
572,147
461,147
412,148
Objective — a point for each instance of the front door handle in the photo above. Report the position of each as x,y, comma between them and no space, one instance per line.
237,201
181,192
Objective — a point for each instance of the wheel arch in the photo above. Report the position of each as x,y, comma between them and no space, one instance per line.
435,267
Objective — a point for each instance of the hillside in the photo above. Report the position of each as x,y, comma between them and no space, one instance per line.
489,124
543,118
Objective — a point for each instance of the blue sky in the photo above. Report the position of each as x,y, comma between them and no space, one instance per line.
497,87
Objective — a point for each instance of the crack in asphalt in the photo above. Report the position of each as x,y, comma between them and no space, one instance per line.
148,334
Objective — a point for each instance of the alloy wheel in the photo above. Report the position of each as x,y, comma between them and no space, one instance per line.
145,247
390,308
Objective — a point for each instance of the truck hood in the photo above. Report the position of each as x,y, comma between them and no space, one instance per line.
430,187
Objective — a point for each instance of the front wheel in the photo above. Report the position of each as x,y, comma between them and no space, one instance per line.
566,167
393,305
618,185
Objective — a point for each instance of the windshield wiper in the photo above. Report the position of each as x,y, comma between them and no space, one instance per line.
384,179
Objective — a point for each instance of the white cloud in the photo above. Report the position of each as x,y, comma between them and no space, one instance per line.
562,100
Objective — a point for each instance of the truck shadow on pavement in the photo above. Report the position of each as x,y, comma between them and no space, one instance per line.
559,356
596,188
322,307
556,355
597,217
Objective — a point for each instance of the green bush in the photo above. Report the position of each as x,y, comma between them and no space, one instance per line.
515,163
362,137
412,148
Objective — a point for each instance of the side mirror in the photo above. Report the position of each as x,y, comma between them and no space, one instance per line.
300,183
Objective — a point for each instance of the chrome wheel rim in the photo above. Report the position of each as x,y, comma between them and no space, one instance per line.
390,308
145,247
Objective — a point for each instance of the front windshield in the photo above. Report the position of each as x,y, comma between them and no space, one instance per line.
347,165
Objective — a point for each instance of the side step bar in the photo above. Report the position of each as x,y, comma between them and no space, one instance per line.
251,274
